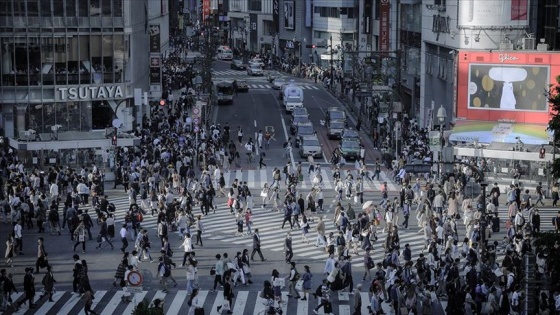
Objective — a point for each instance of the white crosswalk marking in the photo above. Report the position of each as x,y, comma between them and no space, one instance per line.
245,302
266,86
257,178
230,73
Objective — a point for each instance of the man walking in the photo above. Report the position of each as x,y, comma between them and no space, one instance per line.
257,246
288,216
124,237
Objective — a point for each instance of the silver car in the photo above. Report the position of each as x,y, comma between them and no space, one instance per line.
310,146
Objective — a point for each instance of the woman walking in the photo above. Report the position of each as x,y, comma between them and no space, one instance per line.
306,277
10,252
193,302
121,269
304,229
80,236
228,293
249,221
199,230
48,284
145,246
264,195
277,284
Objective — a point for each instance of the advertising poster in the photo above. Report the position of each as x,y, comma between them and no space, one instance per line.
154,38
496,13
497,87
367,15
276,15
205,9
289,15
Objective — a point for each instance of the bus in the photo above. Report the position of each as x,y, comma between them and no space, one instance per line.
225,53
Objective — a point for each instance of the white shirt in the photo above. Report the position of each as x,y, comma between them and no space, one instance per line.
123,232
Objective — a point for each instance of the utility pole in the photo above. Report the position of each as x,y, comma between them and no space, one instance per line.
332,64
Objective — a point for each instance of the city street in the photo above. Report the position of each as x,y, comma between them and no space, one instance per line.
256,110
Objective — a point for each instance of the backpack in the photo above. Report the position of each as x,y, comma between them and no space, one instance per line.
166,270
386,260
319,291
139,217
409,194
285,169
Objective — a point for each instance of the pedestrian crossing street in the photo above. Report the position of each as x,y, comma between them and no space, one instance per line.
176,302
266,86
256,178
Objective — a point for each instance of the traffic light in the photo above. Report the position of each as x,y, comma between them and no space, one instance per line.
161,102
114,140
313,46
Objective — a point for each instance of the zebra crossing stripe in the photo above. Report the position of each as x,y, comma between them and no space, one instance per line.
48,305
180,297
138,297
241,299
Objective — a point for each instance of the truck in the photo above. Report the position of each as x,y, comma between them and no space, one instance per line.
292,96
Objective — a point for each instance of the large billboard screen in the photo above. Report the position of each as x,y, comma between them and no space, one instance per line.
495,87
505,86
495,13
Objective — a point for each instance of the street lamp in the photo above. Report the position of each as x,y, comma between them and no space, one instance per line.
441,116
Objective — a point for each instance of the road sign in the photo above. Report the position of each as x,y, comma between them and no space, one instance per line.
196,129
196,111
196,120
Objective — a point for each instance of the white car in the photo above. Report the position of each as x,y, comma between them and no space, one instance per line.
254,69
257,61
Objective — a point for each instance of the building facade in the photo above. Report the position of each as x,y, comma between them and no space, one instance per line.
69,68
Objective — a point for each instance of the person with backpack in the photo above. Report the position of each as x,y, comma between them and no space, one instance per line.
164,271
322,293
519,221
292,278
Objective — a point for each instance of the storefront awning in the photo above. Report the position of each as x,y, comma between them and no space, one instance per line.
492,131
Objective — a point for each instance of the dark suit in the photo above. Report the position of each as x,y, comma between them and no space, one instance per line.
257,247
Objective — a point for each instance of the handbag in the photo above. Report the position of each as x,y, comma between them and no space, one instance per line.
299,285
264,194
225,305
99,238
355,199
213,271
81,237
246,270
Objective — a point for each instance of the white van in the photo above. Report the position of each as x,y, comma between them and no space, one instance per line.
225,53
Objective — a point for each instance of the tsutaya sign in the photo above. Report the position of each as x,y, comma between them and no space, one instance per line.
88,93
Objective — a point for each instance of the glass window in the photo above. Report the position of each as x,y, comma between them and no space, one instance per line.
58,7
255,5
46,9
85,69
35,65
106,7
119,57
70,8
19,8
5,8
32,8
94,8
83,8
117,8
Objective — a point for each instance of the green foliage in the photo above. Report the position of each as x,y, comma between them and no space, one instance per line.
143,308
553,96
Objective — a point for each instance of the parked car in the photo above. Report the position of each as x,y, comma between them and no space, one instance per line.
310,146
335,113
334,128
350,149
296,120
242,86
278,82
237,65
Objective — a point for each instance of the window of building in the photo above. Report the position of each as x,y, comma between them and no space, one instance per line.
46,9
94,8
83,8
5,8
70,8
255,5
106,8
33,8
117,8
58,7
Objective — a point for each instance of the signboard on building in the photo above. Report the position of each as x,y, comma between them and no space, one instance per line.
155,38
384,18
206,7
276,15
155,69
505,86
496,14
289,15
89,92
367,16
